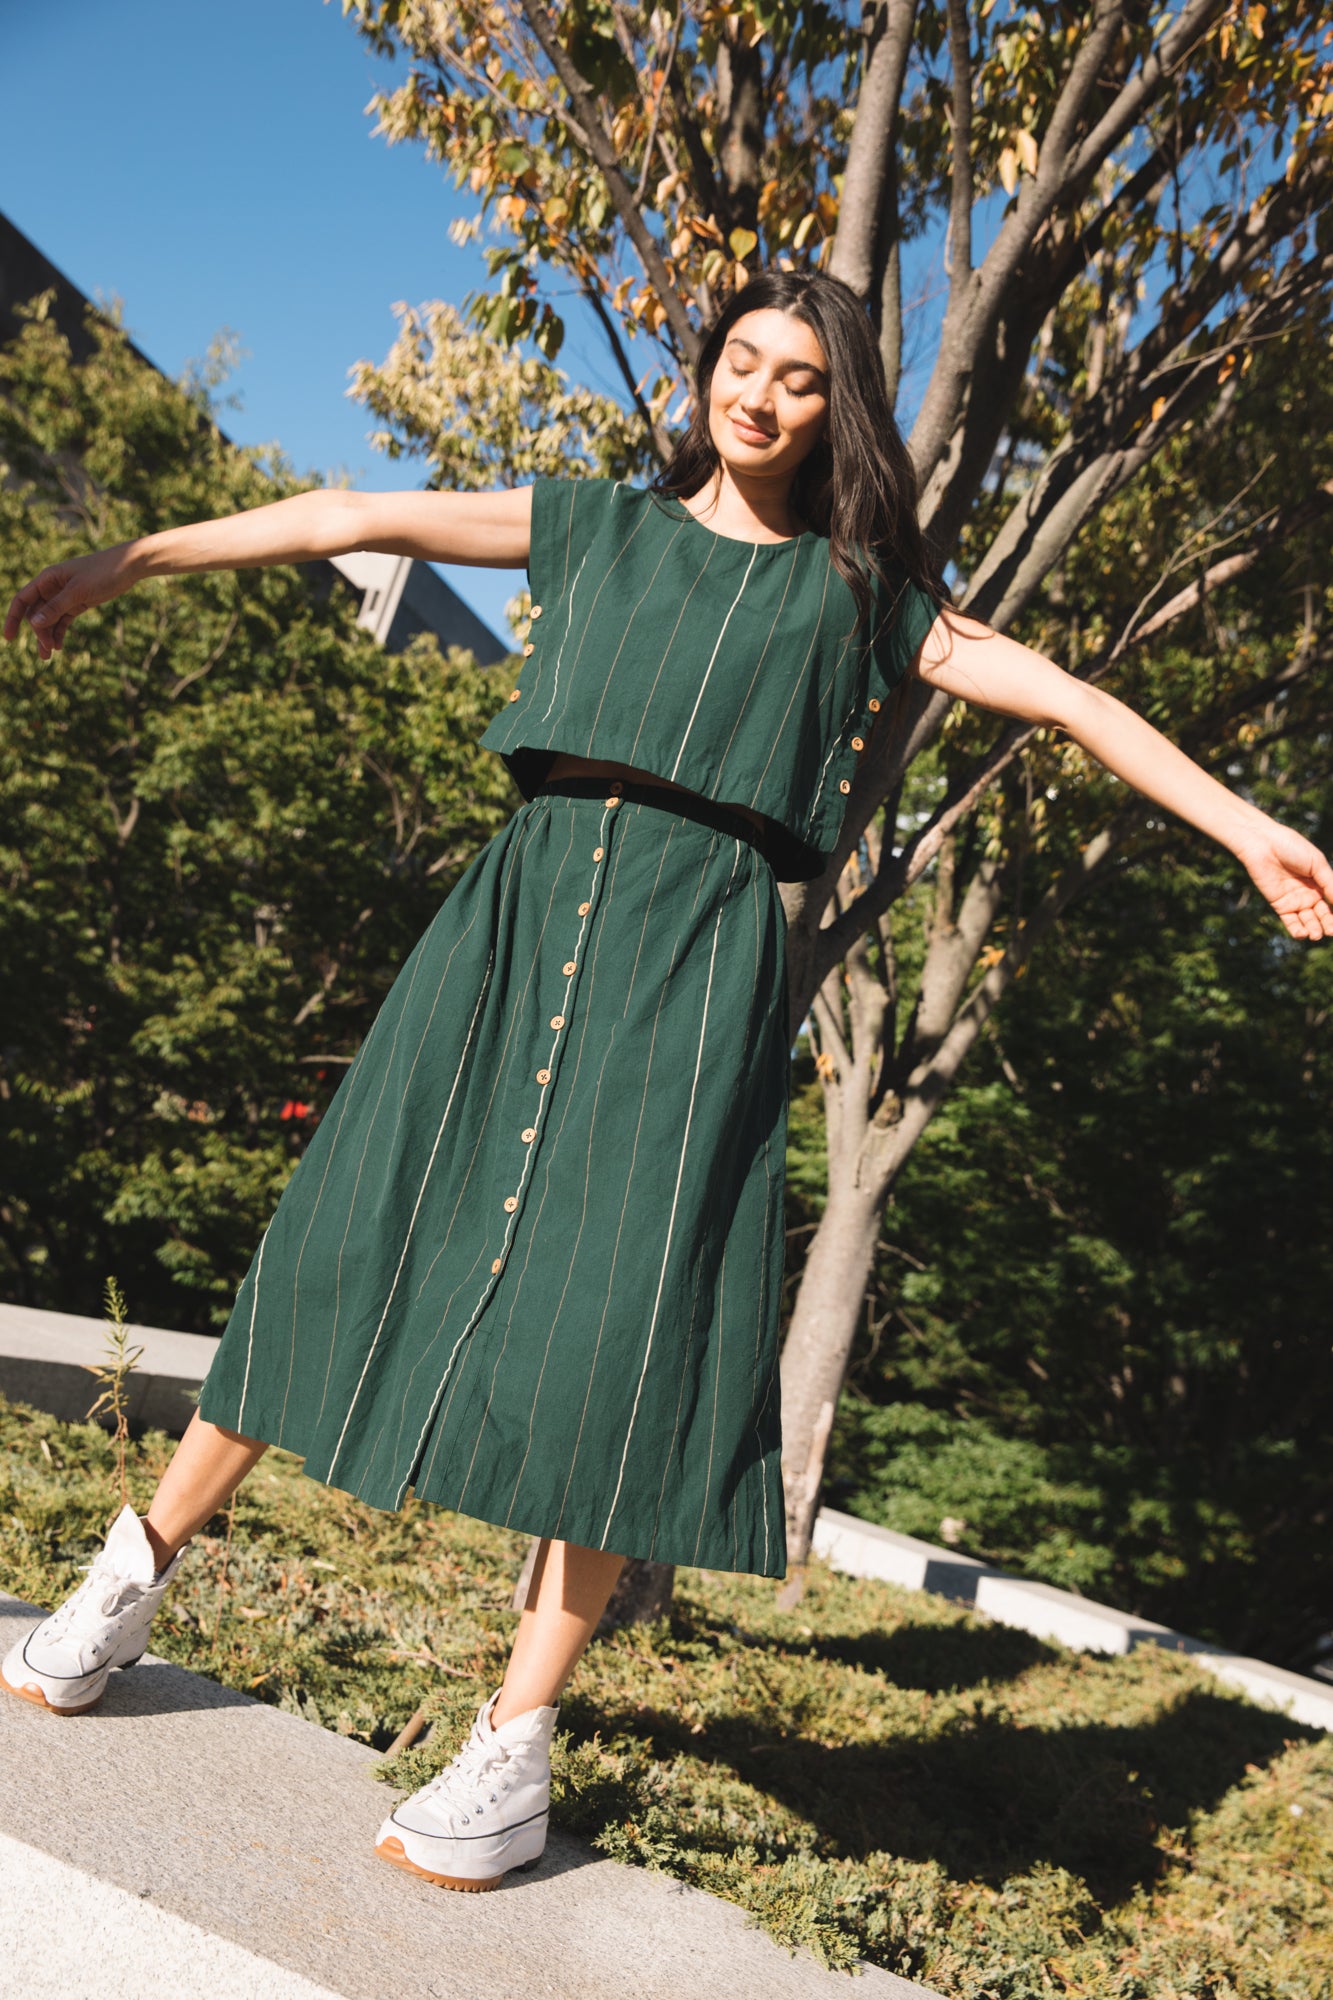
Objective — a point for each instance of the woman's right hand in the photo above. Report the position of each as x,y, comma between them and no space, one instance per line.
57,595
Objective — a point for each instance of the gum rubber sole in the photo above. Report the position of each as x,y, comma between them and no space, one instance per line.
393,1851
38,1699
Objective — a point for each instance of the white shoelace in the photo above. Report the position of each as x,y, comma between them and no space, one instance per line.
475,1762
100,1596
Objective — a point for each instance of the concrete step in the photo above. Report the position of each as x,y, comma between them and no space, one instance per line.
45,1358
186,1838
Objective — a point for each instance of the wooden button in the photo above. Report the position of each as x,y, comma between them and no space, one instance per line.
569,966
844,786
557,1021
529,649
536,611
597,853
584,909
496,1263
529,1134
873,705
514,695
858,743
511,1203
543,1076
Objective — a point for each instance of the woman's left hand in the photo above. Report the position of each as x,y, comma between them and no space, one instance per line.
1293,875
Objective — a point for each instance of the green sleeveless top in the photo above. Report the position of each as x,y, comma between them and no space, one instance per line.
733,668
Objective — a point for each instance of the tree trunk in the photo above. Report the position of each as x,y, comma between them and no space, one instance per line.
642,1593
819,1343
643,1590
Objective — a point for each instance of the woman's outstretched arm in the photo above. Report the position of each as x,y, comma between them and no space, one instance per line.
480,528
967,660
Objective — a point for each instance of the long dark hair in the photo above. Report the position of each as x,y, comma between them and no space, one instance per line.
858,485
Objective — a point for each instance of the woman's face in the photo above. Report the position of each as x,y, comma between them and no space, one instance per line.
768,402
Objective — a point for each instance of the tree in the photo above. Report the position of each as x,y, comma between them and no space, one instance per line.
225,817
1097,1349
1133,207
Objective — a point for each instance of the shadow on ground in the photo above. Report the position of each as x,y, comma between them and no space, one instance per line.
938,1659
989,1796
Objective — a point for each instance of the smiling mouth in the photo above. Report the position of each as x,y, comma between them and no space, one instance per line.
751,430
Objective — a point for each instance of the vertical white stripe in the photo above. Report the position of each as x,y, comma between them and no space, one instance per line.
250,1335
675,1203
421,1194
515,1216
569,617
708,670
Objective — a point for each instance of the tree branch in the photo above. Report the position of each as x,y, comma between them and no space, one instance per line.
868,174
960,167
1144,401
602,150
659,434
896,876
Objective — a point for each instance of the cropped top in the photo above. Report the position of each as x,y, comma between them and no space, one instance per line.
733,668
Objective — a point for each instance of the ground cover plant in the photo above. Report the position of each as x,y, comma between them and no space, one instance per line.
877,1775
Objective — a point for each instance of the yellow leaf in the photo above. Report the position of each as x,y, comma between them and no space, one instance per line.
1159,404
741,242
1027,150
1228,368
803,228
1254,21
1009,169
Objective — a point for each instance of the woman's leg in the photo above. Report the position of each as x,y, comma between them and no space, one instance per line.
206,1468
568,1593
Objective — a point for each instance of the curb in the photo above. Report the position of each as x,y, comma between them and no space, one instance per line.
860,1548
227,1848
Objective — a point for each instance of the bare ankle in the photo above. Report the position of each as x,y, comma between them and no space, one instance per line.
163,1551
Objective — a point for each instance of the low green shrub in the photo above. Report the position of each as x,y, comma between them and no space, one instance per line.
876,1775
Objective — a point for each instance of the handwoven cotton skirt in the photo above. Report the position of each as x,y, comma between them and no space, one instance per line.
530,1263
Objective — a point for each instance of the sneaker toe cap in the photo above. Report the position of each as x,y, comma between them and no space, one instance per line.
416,1816
50,1657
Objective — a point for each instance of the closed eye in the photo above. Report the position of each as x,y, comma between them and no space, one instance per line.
811,388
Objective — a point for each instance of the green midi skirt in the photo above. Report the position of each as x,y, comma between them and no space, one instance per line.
530,1263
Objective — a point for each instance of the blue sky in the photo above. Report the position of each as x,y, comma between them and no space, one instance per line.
213,167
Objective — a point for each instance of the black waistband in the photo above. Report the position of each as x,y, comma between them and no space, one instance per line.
641,792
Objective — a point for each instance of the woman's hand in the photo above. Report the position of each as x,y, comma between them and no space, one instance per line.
1293,875
57,595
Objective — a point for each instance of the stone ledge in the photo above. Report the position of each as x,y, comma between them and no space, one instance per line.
112,1945
241,1823
45,1356
861,1548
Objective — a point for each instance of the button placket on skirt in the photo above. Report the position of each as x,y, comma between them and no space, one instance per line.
546,1079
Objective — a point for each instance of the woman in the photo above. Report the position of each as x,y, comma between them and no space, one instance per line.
529,1264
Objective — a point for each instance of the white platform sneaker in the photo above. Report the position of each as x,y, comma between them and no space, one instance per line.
65,1663
483,1814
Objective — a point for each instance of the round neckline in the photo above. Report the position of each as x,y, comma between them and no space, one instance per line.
737,541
